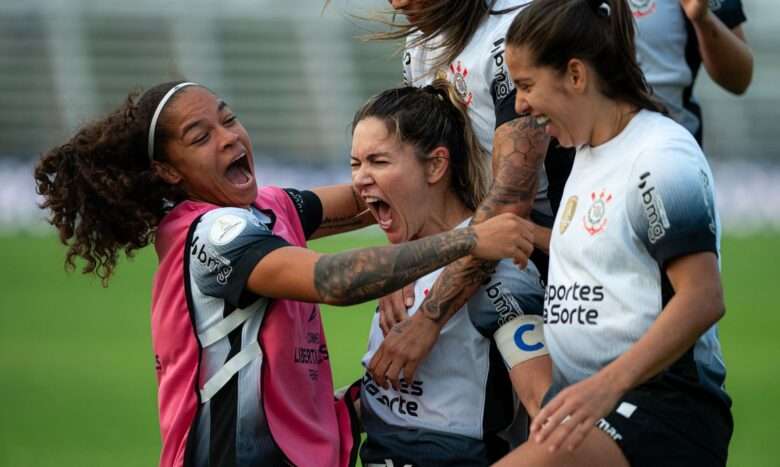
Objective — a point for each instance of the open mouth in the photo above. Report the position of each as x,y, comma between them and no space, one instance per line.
380,210
542,120
238,172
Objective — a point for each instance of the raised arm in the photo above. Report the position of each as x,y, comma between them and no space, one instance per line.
724,51
519,147
359,275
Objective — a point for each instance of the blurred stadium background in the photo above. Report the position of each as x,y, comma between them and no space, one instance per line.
76,368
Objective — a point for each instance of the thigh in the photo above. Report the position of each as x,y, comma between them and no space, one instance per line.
596,450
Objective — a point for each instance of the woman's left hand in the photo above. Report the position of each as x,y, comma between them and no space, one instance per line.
568,418
695,10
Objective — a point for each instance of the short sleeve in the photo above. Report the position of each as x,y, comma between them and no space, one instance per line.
309,208
729,11
509,293
226,246
670,201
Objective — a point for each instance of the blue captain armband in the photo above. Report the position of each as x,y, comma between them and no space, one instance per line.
521,339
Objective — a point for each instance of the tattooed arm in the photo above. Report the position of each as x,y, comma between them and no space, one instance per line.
519,147
342,210
359,275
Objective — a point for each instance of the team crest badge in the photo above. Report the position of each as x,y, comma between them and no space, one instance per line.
640,8
568,213
595,220
459,74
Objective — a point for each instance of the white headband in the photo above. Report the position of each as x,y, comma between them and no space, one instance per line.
158,111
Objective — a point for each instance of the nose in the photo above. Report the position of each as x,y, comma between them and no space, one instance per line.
361,177
521,104
398,4
227,136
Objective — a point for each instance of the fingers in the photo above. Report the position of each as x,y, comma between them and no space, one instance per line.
563,423
393,375
540,426
560,431
378,367
578,435
383,324
392,307
408,293
410,368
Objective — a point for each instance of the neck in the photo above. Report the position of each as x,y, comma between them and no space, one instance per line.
610,118
445,214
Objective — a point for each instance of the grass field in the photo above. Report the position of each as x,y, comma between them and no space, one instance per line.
77,373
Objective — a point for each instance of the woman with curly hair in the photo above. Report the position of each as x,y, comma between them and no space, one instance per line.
242,363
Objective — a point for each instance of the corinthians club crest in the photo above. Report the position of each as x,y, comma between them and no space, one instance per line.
641,8
459,74
595,220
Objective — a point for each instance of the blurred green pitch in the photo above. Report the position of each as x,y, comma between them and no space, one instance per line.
77,383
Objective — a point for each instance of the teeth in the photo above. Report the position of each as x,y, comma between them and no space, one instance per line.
542,120
371,199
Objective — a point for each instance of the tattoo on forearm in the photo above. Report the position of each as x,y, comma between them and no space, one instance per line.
455,286
519,148
342,222
360,275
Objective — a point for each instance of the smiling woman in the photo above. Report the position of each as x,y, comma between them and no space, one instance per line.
242,363
634,290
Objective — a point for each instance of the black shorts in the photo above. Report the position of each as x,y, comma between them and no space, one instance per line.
670,424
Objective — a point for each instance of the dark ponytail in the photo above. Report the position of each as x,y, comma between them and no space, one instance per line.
599,32
103,194
435,116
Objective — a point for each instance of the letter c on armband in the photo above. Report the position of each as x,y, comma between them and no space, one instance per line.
521,339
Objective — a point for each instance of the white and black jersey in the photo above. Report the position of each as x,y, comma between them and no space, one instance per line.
461,396
630,206
481,78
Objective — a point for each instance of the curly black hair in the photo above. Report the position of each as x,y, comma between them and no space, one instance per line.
100,186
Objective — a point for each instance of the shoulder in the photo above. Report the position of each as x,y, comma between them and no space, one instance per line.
665,144
222,226
500,17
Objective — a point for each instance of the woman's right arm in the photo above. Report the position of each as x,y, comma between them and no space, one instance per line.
359,275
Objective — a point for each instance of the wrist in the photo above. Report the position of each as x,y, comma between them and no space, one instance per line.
618,380
703,19
422,319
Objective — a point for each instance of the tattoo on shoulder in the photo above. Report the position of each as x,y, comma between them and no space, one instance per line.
359,275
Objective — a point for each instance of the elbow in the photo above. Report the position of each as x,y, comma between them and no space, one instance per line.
741,85
717,307
738,83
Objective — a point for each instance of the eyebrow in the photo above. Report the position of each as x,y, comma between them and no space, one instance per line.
190,126
372,155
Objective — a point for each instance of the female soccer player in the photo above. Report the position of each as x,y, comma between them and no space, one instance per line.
242,363
634,287
464,42
674,38
417,165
